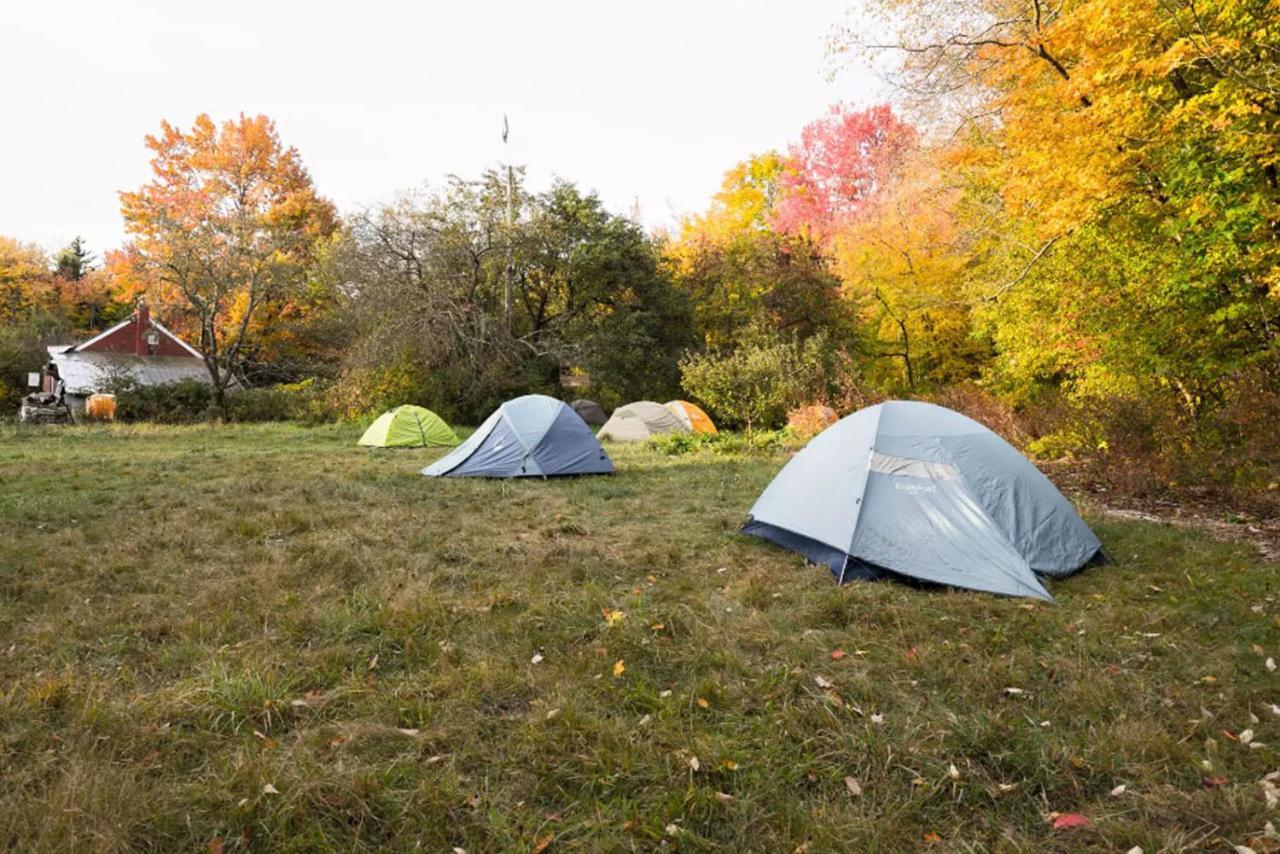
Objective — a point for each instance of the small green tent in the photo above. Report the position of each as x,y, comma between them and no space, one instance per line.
408,427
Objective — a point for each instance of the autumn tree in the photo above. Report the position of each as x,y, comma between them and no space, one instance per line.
227,227
1131,150
902,262
25,325
836,168
741,273
24,274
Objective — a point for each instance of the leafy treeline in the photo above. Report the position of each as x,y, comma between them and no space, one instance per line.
1072,215
1083,223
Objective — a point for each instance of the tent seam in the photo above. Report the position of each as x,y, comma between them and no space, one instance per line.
862,489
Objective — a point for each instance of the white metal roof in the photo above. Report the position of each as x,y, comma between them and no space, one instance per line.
90,372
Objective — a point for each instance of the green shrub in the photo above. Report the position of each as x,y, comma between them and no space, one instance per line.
191,401
762,442
756,384
21,352
186,402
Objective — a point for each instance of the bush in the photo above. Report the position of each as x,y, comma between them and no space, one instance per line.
756,384
724,444
191,401
308,401
186,402
22,351
808,421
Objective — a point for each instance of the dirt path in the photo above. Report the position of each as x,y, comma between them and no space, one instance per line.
1264,536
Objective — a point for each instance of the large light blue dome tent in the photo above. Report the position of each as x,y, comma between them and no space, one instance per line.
530,436
918,491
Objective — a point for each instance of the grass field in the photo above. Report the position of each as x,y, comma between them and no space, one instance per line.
266,638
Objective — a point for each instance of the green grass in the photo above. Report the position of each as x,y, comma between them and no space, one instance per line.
189,615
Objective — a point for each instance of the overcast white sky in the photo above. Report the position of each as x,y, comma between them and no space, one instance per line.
650,101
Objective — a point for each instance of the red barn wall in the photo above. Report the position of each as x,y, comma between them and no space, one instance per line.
122,341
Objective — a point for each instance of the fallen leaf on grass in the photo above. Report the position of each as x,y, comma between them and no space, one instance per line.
1070,821
215,845
552,714
612,616
694,763
877,718
822,682
1245,736
1007,787
664,694
618,668
1271,665
408,731
537,658
269,789
931,838
541,844
837,654
851,783
1214,782
703,704
1014,692
730,765
1118,790
725,797
953,772
373,662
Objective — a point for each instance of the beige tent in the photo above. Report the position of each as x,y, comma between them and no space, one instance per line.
637,421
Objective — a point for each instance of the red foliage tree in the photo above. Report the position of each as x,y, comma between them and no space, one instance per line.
842,159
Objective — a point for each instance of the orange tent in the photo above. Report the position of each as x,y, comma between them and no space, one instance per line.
691,416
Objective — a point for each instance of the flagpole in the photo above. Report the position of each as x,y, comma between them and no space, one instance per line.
506,297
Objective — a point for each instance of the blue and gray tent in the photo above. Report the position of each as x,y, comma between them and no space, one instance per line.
917,491
531,436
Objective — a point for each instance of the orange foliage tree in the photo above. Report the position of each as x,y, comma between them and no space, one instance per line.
227,231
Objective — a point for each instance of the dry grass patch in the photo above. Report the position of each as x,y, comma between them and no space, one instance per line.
268,636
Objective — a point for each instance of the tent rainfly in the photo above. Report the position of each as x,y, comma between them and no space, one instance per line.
917,491
637,421
691,416
408,427
530,436
590,412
